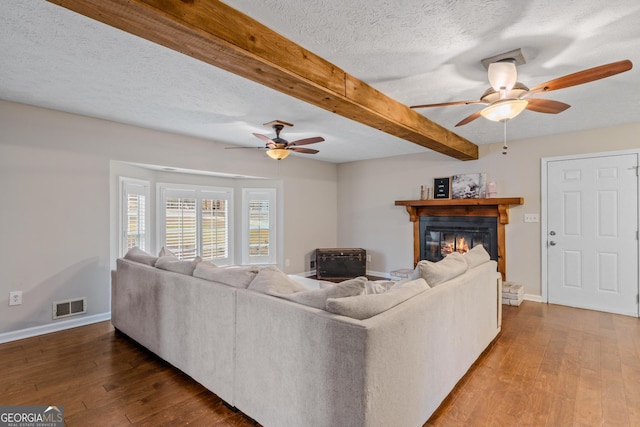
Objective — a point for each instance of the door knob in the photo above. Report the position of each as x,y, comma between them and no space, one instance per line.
552,233
552,243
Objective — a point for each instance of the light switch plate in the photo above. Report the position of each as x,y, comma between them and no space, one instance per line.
531,217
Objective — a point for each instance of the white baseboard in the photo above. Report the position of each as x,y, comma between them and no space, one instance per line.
534,298
53,327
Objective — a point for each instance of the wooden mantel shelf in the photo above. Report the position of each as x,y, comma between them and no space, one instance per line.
461,207
495,207
462,202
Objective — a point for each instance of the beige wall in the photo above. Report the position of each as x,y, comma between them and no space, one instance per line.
59,230
58,181
368,189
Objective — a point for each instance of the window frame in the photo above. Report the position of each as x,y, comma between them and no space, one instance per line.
142,188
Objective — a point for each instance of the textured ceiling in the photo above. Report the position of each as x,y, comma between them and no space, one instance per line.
414,51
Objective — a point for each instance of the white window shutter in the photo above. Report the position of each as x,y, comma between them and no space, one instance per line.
134,222
259,226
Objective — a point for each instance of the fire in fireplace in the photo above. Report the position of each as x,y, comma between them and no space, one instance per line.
442,235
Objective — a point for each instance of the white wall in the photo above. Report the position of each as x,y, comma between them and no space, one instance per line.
368,190
59,234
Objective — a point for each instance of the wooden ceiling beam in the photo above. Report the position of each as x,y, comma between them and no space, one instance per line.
217,34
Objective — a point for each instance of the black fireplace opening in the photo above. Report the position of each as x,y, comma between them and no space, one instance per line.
442,235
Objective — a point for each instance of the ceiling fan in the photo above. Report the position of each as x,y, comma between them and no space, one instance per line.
507,97
279,148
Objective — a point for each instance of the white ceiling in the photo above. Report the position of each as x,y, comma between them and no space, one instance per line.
415,51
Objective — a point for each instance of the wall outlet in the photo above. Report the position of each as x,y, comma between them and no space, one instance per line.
287,262
531,217
15,297
368,258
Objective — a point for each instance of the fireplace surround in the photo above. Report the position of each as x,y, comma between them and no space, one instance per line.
497,208
441,235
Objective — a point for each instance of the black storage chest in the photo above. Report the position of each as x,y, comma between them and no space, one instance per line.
340,263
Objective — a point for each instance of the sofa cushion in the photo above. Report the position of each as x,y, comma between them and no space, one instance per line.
364,306
317,298
166,252
171,263
378,286
138,255
239,276
446,269
476,256
271,280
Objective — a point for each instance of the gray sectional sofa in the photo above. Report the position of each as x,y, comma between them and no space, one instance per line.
262,347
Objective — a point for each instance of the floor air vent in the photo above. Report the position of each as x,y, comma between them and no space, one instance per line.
70,307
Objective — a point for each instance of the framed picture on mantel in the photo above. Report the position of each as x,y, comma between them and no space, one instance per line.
469,186
442,188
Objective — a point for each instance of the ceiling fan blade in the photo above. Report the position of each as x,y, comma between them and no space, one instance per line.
307,141
585,76
266,139
469,119
304,150
446,104
546,106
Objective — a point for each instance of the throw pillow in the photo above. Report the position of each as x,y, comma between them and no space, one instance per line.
271,280
476,256
239,276
138,255
317,298
365,306
446,269
171,263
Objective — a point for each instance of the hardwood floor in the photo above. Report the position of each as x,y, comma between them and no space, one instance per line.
550,366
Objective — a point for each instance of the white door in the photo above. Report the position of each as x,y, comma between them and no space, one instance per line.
592,223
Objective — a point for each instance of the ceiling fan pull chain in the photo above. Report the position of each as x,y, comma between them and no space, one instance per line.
504,145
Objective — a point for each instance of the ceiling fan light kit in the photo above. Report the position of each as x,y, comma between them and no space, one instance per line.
502,75
505,109
278,153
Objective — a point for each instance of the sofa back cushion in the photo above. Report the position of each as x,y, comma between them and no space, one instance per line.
239,276
138,255
365,306
435,273
317,298
172,263
476,256
166,252
270,280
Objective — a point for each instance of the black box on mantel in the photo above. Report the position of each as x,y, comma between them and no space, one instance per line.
340,263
